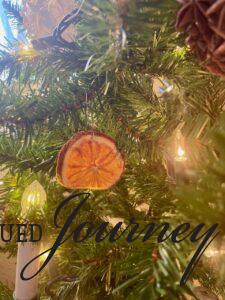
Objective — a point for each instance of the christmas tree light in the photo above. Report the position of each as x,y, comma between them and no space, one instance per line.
181,154
34,197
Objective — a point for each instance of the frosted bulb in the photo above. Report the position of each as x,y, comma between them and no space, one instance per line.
34,196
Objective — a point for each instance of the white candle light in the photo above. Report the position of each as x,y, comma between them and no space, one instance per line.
27,290
180,159
181,156
34,197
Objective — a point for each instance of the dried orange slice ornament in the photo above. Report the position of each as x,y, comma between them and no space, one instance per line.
90,160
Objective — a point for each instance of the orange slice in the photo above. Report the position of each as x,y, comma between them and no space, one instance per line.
90,160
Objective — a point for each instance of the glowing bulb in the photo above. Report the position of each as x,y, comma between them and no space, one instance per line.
1,182
181,155
26,51
34,196
181,152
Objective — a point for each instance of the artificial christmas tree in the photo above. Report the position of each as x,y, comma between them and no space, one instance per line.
120,239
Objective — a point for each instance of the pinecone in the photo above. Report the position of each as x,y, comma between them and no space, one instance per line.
204,22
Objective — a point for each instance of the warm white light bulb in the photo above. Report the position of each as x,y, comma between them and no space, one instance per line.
181,155
181,152
34,196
